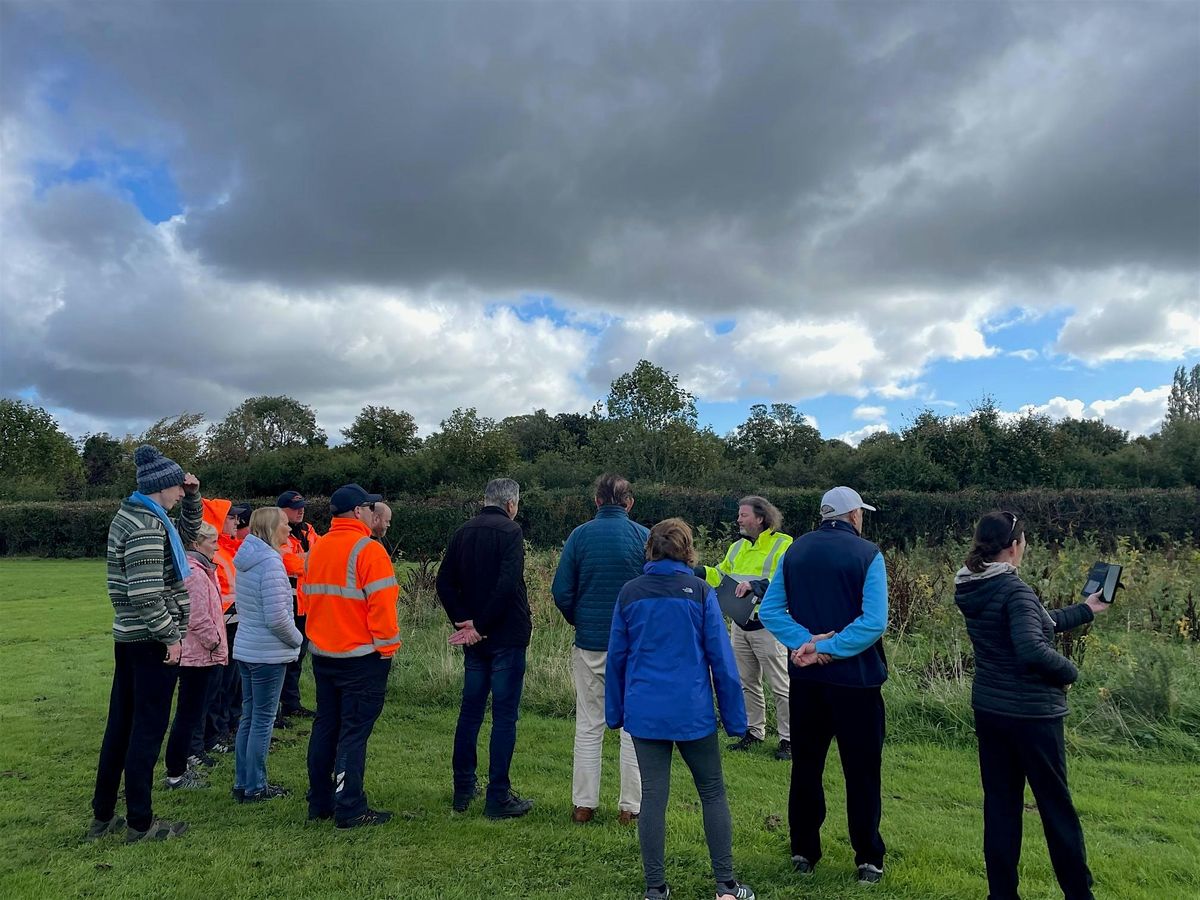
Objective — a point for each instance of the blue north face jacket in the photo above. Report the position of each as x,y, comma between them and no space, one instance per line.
598,559
668,649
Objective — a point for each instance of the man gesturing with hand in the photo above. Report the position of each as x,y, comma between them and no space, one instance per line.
828,606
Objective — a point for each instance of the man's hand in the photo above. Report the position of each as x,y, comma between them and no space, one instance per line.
174,651
1096,603
742,589
191,484
807,655
466,634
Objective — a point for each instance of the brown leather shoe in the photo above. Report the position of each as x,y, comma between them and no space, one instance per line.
582,815
626,817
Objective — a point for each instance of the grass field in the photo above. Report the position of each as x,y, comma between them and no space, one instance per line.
1140,812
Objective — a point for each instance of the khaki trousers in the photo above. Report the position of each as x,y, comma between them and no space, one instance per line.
759,655
587,667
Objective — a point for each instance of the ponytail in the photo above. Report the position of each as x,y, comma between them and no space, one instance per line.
995,532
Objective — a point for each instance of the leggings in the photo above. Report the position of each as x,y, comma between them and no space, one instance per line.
703,759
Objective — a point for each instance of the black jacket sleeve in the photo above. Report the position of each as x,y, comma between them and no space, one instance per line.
449,586
510,580
1033,650
1071,616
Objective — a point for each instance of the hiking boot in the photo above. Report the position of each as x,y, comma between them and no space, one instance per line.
159,830
370,817
802,865
582,815
511,807
462,799
201,761
270,792
626,817
189,780
99,829
869,874
733,890
658,893
745,742
302,712
784,752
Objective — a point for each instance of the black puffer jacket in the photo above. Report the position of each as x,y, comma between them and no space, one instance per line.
1017,670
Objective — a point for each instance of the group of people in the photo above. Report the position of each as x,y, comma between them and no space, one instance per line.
653,658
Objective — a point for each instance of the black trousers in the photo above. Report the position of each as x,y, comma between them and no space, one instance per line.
139,709
1012,751
350,694
196,688
225,710
289,698
855,716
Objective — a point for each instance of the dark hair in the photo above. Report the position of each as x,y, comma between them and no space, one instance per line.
995,532
765,510
671,539
613,488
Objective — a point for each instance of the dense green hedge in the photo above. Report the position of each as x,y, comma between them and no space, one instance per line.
421,525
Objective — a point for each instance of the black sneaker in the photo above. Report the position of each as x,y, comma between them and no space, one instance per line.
733,890
511,807
462,799
784,752
802,865
238,794
281,722
319,816
99,829
302,712
370,817
159,830
745,742
658,893
201,760
270,792
224,745
869,874
189,780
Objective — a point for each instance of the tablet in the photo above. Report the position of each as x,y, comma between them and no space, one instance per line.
1103,577
737,608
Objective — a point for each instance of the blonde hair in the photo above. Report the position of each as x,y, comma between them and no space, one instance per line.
671,539
204,532
264,521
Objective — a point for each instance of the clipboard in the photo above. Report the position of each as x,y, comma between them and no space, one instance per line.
1104,577
739,609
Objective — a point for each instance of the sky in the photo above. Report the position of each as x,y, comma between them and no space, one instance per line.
862,209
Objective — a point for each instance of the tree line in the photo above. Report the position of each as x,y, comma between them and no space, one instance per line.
646,427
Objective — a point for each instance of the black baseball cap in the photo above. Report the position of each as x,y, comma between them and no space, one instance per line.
242,511
291,500
349,496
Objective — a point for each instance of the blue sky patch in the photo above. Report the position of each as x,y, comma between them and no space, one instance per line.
146,183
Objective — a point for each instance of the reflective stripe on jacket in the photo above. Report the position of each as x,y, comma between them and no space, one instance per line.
748,560
294,559
350,593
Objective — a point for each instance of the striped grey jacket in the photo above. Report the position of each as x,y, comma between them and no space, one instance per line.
150,602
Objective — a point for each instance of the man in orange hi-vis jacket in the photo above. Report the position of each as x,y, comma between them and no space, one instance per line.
351,591
302,537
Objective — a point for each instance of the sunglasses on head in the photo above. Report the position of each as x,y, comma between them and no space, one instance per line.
1013,529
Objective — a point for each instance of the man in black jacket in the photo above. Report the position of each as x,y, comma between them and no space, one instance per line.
481,584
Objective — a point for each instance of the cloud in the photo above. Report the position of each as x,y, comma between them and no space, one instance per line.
1139,412
869,412
1026,354
854,438
1155,320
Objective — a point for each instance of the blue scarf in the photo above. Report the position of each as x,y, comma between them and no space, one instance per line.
178,554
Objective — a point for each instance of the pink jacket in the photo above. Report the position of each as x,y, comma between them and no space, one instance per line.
205,643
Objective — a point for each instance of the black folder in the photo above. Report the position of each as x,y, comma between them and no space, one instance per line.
737,608
1105,577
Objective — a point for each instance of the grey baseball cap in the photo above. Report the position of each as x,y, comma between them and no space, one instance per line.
840,500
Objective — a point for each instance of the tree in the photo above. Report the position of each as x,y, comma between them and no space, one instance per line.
178,437
470,449
384,429
772,434
262,424
37,460
1183,404
105,460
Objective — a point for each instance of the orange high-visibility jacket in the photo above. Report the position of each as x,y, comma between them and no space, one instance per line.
350,591
294,558
215,513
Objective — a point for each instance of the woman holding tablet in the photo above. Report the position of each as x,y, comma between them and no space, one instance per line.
1020,700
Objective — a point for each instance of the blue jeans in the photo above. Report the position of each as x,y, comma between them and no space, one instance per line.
499,671
261,683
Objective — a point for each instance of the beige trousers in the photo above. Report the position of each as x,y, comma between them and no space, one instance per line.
587,667
759,655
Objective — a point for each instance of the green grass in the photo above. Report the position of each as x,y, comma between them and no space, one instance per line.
1139,812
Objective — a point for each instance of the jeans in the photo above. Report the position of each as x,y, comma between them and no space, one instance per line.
260,699
350,695
703,759
1012,751
587,667
195,692
499,671
855,716
225,711
139,708
289,698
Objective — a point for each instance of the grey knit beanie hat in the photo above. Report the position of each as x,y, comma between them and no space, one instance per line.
155,471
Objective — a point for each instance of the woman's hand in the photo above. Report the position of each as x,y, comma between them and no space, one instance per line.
1096,604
